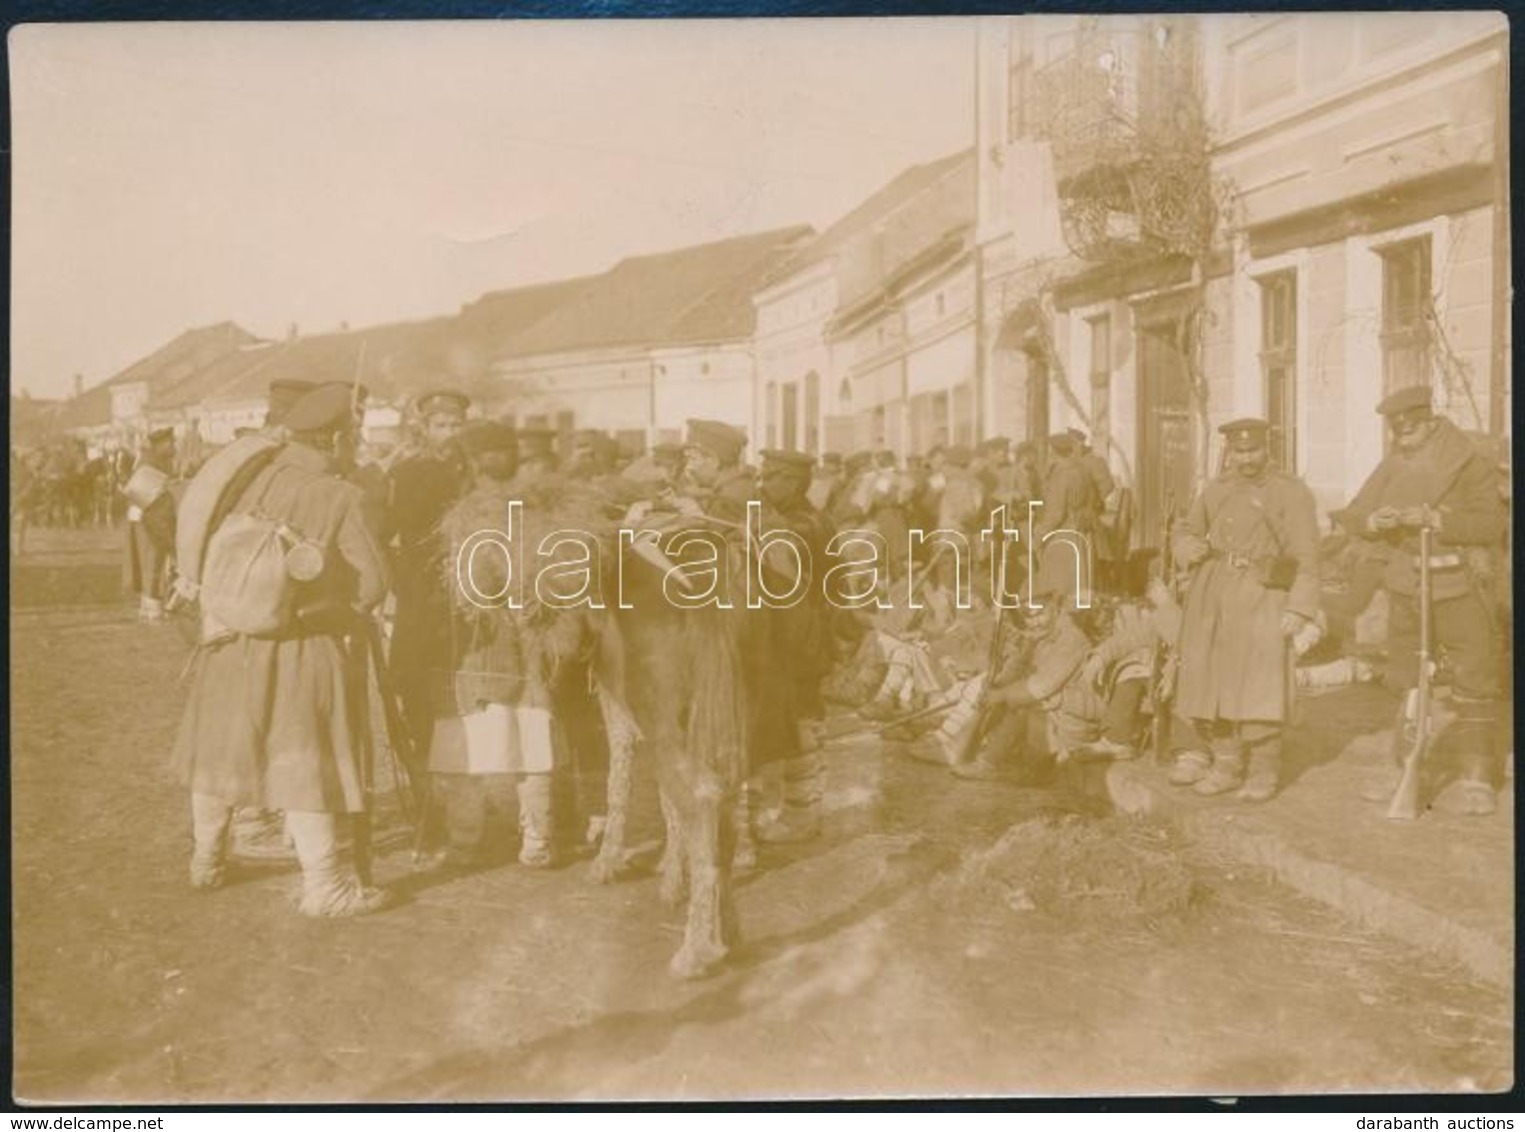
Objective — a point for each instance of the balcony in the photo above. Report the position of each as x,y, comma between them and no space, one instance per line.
1121,110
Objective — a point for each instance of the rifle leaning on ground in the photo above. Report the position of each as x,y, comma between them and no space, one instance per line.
1162,680
1413,726
981,718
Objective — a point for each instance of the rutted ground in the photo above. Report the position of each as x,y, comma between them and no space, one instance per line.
906,953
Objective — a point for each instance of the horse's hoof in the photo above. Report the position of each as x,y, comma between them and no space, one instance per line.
696,962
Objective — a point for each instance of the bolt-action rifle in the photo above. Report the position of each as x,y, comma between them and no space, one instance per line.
1411,736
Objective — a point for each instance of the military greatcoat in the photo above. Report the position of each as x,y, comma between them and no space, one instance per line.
1232,652
280,722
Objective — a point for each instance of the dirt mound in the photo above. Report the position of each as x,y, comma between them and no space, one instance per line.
1074,867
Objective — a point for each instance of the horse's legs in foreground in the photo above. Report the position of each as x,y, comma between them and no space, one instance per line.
708,842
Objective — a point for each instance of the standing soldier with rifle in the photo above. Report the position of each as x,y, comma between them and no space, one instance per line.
1436,478
1251,539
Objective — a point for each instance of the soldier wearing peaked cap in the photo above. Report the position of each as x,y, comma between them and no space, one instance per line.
1436,476
283,394
491,449
537,455
593,453
714,477
658,469
1095,467
800,636
279,720
1250,540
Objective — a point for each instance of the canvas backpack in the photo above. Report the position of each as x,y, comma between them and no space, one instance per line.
251,571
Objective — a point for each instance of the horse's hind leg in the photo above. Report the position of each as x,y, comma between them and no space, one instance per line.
706,840
610,862
674,868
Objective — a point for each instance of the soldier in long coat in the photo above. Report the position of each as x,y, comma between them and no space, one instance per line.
279,722
1065,563
1251,537
802,641
1435,475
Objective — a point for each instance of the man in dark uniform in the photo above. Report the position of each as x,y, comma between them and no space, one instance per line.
658,470
823,484
424,486
593,453
1435,476
537,455
1251,542
1094,465
714,478
803,640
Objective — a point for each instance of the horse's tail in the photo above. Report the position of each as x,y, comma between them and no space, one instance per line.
716,735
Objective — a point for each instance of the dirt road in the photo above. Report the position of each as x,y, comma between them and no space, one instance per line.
901,954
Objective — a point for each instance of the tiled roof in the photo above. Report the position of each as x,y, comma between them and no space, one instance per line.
915,209
498,317
692,295
32,417
172,363
394,360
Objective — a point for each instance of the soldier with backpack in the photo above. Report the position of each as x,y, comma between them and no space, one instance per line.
277,711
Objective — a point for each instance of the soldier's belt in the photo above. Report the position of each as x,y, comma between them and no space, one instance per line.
1441,561
1240,561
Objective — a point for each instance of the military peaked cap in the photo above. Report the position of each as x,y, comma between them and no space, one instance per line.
443,401
284,393
326,407
786,459
1246,434
724,441
1062,443
1406,400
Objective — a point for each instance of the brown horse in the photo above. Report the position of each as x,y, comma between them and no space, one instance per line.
677,681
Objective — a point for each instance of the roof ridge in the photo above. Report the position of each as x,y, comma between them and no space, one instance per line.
708,246
763,255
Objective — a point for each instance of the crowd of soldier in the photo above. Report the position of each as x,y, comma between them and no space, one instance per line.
1205,642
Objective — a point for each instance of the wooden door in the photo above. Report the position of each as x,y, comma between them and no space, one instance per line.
1167,463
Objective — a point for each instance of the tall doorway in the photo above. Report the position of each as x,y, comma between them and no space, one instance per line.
1167,457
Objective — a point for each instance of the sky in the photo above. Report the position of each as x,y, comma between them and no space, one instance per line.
177,175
